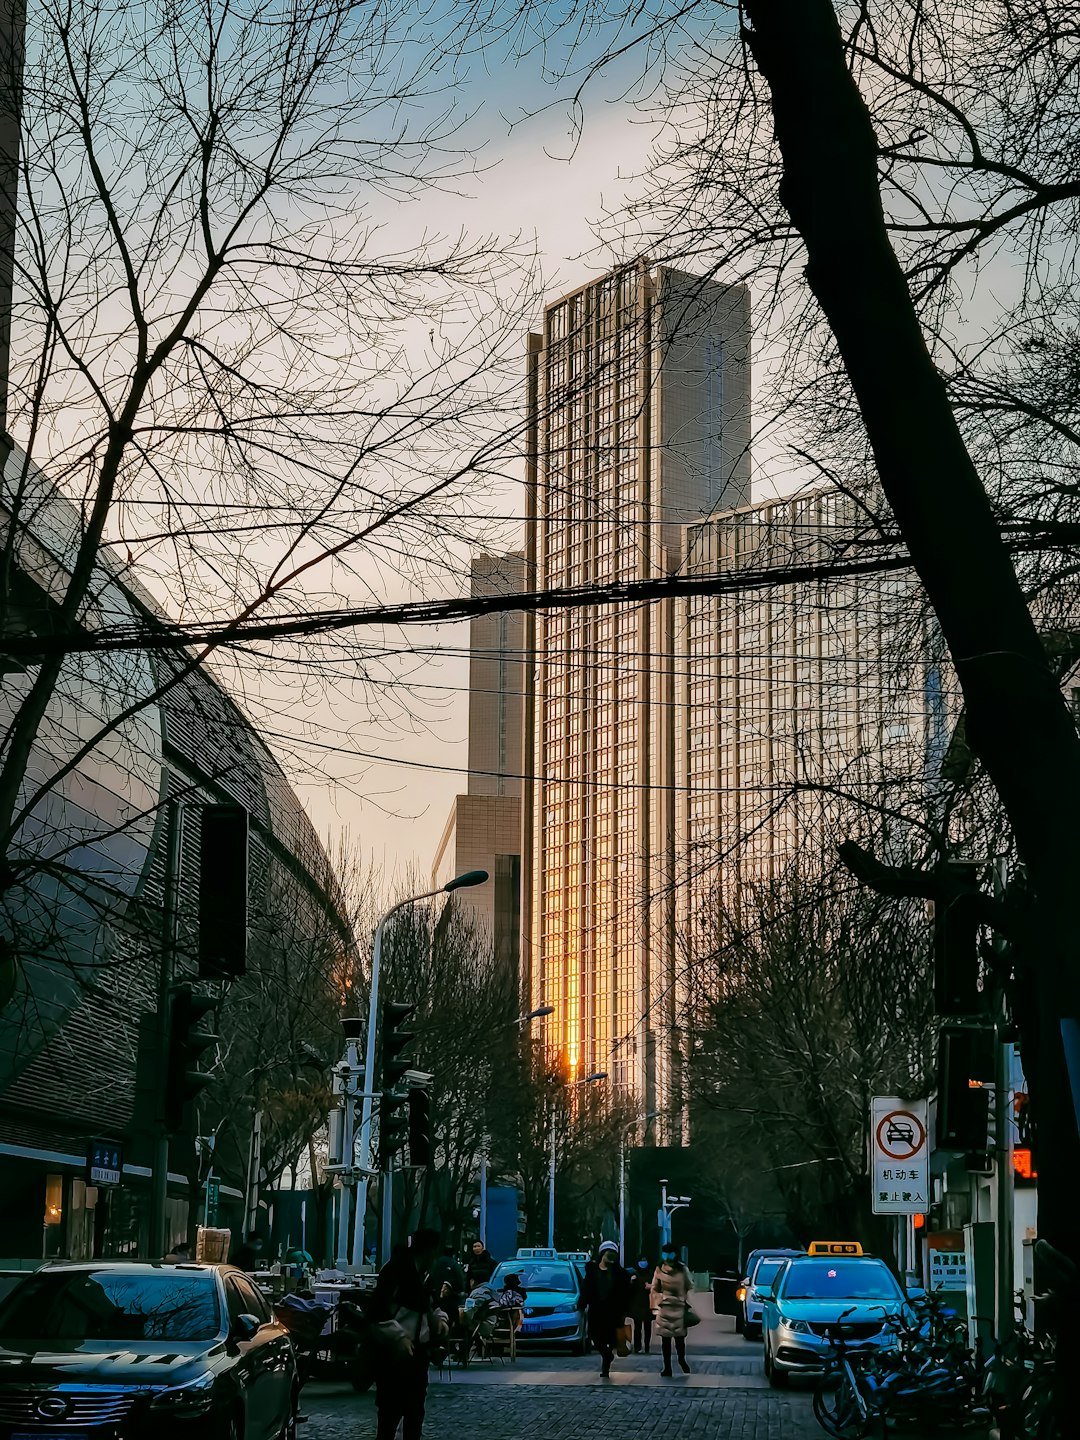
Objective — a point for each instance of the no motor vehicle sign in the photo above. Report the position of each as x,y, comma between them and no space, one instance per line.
900,1156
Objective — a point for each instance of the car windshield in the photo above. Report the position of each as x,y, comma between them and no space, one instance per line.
74,1306
840,1280
765,1271
536,1275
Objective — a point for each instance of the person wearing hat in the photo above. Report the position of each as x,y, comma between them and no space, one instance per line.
606,1294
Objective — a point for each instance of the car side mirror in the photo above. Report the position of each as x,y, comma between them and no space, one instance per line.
246,1327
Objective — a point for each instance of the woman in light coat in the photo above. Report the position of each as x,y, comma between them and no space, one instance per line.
670,1291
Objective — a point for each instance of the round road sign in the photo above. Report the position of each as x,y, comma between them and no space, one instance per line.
900,1135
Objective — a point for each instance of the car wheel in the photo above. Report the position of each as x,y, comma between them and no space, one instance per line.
230,1427
778,1379
288,1429
580,1347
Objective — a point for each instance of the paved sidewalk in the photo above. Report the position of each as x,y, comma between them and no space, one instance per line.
548,1397
596,1412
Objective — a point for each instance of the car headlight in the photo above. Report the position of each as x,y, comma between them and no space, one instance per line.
565,1307
740,1293
192,1397
797,1327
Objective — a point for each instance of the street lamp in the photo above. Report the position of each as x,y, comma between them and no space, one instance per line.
460,882
651,1115
668,1205
536,1014
588,1080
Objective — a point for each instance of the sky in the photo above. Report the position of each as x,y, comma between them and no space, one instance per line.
540,182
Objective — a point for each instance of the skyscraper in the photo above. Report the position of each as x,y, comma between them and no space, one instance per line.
639,400
807,704
483,831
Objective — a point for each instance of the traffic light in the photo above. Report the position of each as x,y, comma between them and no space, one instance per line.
965,1080
223,891
393,1115
393,1125
957,920
394,1041
419,1126
187,1041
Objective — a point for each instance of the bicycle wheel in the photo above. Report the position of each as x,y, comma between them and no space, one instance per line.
837,1411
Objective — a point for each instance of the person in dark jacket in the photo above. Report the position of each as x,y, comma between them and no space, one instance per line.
606,1294
448,1282
406,1309
641,1305
481,1265
249,1255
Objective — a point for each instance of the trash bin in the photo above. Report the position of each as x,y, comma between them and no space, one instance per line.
723,1294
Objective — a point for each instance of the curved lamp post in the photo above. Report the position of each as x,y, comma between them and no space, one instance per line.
459,882
651,1115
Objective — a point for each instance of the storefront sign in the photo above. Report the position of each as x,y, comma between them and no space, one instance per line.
947,1261
104,1162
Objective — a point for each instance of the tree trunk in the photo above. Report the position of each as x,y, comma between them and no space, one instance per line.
1017,720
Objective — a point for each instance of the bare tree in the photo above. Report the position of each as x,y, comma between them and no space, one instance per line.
230,397
815,996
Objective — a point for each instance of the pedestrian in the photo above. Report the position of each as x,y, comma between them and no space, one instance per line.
481,1265
448,1282
408,1321
641,1305
249,1253
606,1294
671,1299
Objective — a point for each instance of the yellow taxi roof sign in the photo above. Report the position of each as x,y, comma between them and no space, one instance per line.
834,1247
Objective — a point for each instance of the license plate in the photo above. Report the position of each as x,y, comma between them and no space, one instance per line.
48,1435
527,1329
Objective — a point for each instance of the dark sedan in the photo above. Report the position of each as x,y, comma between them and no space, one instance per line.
117,1349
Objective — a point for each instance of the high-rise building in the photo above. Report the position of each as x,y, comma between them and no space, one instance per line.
484,828
639,422
805,705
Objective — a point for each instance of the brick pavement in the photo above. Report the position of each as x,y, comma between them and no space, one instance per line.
562,1412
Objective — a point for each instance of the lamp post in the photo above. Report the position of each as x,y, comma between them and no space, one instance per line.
668,1205
588,1080
651,1115
460,882
536,1014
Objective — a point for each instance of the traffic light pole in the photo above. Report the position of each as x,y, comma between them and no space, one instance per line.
159,1181
369,1078
472,877
386,1237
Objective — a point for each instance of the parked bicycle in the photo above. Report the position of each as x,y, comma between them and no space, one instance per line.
925,1376
1023,1387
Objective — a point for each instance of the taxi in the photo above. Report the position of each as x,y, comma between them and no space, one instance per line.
809,1295
553,1313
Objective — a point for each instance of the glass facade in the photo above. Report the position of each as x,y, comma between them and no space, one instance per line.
802,704
631,439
